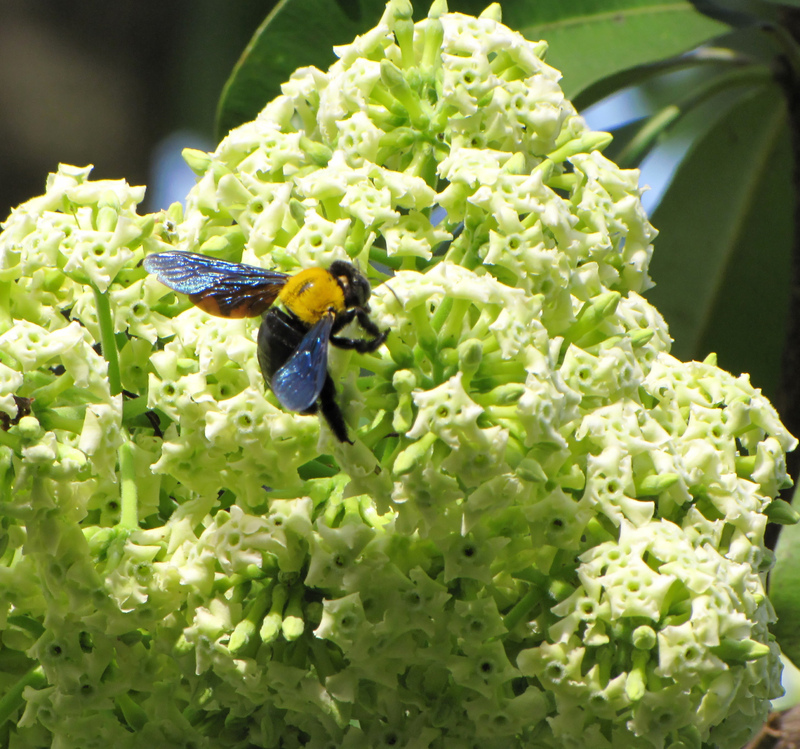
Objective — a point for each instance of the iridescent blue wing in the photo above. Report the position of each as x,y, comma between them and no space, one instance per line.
298,383
216,286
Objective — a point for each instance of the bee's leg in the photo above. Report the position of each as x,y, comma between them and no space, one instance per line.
344,318
359,344
331,411
362,345
369,325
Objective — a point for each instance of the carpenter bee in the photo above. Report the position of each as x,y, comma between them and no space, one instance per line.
292,341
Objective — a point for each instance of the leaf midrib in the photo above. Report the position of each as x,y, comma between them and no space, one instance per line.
605,16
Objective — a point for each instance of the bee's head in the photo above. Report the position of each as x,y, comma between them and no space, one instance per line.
354,284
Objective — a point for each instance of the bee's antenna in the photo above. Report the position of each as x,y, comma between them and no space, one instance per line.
394,293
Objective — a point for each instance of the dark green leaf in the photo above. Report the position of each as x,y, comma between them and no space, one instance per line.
740,13
722,261
592,39
666,81
790,3
636,76
784,591
622,138
686,105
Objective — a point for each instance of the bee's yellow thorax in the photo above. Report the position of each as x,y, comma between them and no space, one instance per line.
311,293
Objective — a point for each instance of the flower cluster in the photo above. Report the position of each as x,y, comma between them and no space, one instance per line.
549,531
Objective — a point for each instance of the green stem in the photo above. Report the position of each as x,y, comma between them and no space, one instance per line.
47,394
523,608
10,440
6,477
129,493
450,328
383,429
133,407
321,657
375,364
332,208
53,420
6,321
34,627
663,120
442,311
12,699
419,161
425,333
134,714
379,255
107,341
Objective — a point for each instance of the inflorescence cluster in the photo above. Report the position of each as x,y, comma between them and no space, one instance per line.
549,531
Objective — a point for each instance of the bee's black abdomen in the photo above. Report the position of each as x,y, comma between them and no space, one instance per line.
278,338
